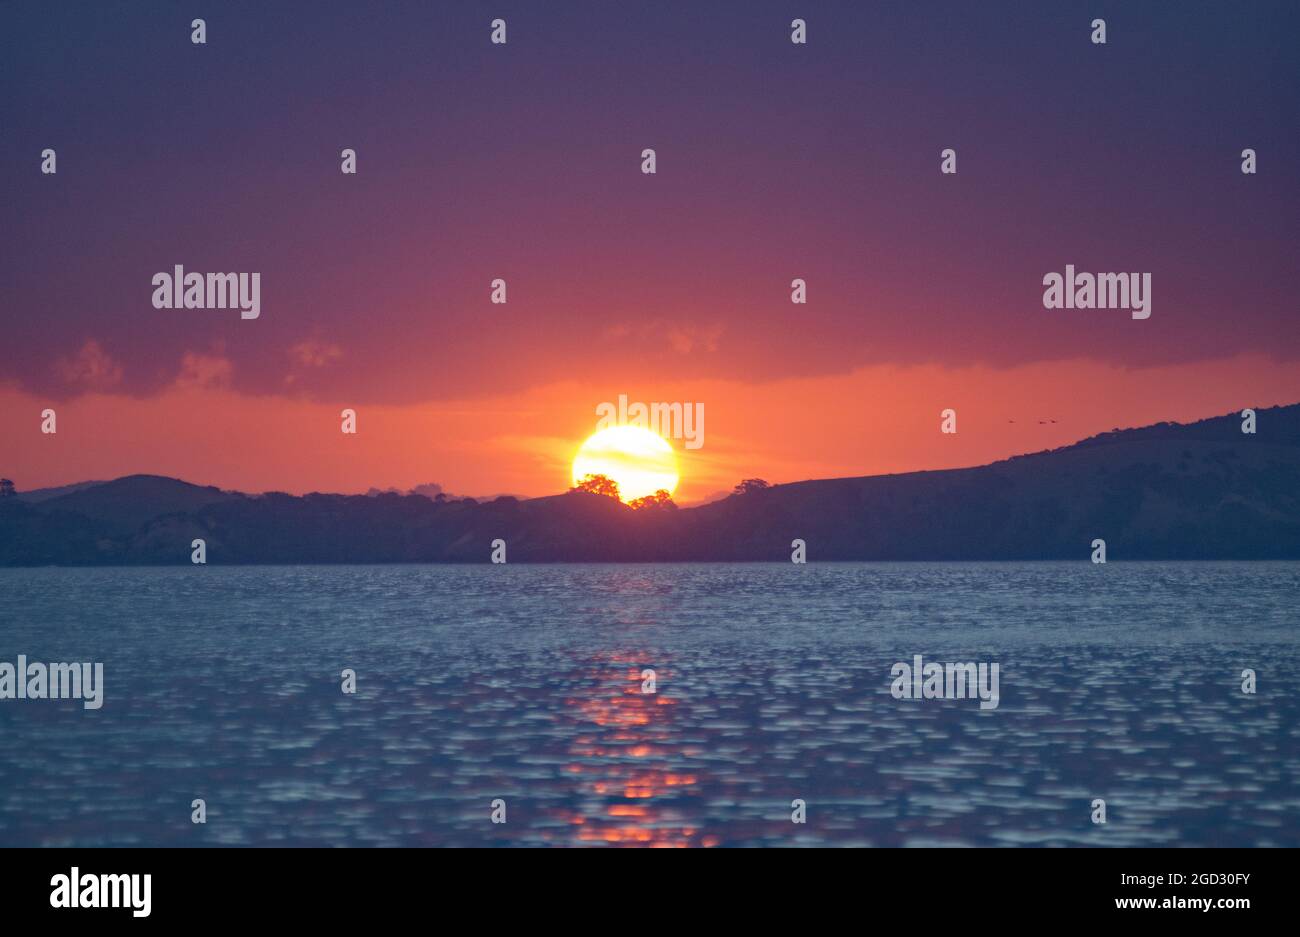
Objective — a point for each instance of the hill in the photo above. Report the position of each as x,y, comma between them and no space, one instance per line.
1202,490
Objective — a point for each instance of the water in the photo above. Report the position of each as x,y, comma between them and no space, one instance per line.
523,683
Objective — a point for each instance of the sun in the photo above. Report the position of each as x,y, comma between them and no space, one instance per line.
639,461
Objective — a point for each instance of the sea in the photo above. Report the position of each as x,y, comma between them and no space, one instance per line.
1140,704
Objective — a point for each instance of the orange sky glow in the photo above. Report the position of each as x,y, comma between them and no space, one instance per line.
873,420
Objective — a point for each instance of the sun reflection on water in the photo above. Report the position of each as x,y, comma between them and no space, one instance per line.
633,777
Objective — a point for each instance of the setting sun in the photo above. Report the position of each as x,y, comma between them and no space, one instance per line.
639,461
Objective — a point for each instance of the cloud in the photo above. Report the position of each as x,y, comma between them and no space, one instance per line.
308,355
683,338
314,354
688,338
204,371
90,369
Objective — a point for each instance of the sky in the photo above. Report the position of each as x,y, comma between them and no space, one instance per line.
523,162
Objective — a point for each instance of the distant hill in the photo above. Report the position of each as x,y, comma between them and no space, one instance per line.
45,494
125,505
1203,490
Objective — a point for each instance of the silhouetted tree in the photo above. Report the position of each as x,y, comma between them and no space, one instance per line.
598,485
751,484
660,500
6,488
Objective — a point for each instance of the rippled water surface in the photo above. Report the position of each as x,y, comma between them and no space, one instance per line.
524,683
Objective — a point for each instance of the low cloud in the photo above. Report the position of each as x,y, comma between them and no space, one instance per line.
314,354
683,338
310,355
688,338
204,371
91,368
